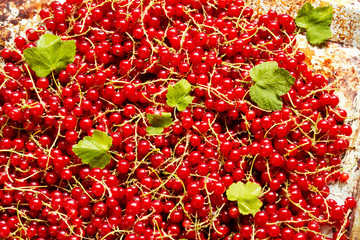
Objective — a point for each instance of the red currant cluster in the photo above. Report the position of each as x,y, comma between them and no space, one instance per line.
171,185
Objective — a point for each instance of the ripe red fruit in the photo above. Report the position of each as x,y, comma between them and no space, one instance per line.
172,183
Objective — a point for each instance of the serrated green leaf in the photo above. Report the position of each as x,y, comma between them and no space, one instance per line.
265,99
263,70
246,196
301,19
323,15
318,34
47,40
94,150
250,206
158,122
233,193
50,54
316,21
271,82
179,95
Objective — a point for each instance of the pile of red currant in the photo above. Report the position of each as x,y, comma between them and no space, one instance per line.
171,185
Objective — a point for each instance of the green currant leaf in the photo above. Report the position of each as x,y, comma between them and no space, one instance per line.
316,21
94,150
246,195
51,54
179,95
265,99
318,34
158,123
271,82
